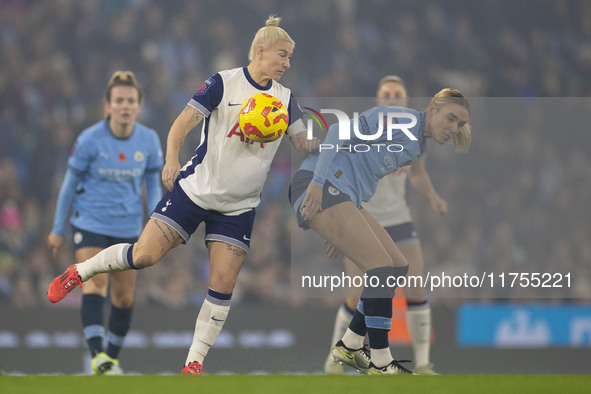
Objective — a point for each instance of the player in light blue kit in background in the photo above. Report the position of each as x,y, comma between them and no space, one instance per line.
103,187
326,194
388,206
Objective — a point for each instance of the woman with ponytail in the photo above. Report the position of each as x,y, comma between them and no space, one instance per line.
220,186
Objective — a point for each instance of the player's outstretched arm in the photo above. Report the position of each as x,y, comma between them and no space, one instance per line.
183,124
303,145
56,239
421,182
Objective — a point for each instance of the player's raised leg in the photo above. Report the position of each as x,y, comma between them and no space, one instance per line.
156,240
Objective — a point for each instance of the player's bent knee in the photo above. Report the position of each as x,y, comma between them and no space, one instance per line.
144,261
123,301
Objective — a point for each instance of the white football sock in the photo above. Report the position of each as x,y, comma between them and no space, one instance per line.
113,258
341,323
209,323
352,340
381,357
418,321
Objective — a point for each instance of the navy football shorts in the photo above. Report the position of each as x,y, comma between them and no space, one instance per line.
88,239
331,196
178,211
403,234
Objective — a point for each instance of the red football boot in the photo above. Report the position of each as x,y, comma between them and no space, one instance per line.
193,368
63,284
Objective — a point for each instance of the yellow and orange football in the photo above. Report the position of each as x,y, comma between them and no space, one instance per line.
263,118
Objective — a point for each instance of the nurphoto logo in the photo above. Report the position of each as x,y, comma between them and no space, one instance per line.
380,139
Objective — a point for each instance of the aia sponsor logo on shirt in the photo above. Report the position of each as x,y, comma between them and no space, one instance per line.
235,132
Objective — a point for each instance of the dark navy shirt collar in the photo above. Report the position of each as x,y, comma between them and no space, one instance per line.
253,83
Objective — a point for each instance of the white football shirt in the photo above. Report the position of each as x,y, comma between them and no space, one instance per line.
228,171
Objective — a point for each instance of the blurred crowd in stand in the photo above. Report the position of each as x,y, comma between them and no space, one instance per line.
518,200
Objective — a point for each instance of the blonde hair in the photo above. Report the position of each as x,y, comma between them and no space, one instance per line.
122,78
461,140
269,35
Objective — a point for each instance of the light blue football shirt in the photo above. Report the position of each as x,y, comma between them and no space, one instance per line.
107,199
356,167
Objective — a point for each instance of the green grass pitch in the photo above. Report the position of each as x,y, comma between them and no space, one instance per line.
300,384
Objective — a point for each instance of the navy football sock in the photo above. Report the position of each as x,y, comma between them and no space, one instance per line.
357,324
377,304
119,323
92,322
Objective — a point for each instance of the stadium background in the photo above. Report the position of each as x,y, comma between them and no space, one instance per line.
518,200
